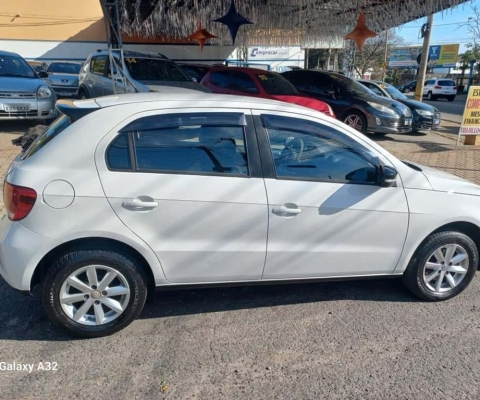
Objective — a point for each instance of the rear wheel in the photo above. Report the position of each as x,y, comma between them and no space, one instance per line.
442,267
406,90
356,120
451,98
431,97
94,292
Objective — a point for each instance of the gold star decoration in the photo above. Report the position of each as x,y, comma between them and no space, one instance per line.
361,32
201,35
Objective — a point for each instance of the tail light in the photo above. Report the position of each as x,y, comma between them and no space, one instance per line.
18,201
437,87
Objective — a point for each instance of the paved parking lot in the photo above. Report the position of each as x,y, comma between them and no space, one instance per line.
340,340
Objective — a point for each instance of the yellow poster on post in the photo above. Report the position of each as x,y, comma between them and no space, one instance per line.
448,54
471,114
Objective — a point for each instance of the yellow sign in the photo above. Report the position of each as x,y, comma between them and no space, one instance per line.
448,54
471,114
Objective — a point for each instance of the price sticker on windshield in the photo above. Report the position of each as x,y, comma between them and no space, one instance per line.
263,77
131,60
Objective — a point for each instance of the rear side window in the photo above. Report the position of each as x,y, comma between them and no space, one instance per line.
446,83
192,143
53,131
241,82
97,65
219,78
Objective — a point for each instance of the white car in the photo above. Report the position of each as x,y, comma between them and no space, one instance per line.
133,191
440,89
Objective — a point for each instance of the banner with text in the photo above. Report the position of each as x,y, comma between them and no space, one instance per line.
471,114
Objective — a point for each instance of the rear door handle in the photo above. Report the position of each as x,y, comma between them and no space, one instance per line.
137,204
290,208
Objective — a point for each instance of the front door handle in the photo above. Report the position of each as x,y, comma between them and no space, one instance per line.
138,204
287,209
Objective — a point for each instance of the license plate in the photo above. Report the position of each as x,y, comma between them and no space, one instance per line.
17,107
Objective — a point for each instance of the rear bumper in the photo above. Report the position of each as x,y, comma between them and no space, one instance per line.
20,252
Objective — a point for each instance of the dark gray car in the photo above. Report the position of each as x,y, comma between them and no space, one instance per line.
145,72
352,102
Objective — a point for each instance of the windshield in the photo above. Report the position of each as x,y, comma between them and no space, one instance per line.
151,69
393,92
276,85
15,66
350,85
64,68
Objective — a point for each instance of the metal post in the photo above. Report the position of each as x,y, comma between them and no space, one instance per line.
422,70
472,66
385,60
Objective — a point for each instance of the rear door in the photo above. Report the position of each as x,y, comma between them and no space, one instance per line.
189,183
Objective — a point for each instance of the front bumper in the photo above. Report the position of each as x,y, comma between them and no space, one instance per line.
424,123
379,123
30,108
20,252
65,91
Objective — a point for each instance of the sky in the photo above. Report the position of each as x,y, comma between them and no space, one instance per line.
447,27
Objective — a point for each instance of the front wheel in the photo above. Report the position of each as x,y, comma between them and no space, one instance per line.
356,120
406,90
82,94
94,292
442,267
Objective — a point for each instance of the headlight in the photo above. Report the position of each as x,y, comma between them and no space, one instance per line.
424,113
43,92
382,109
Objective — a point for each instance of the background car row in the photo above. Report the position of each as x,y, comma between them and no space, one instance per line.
369,107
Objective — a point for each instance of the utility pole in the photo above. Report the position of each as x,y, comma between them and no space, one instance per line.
422,70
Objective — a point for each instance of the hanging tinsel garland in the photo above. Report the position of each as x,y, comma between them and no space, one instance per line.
277,22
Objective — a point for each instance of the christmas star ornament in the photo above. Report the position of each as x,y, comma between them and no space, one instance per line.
233,20
201,35
361,32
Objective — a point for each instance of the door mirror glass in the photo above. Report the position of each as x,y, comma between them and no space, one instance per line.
388,176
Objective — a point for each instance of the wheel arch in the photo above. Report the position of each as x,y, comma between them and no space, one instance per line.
113,244
84,88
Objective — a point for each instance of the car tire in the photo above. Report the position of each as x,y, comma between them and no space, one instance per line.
425,270
451,98
82,94
406,90
431,97
356,120
108,307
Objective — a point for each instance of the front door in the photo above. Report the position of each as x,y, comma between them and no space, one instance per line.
193,191
328,215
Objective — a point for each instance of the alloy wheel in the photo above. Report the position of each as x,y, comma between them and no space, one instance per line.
355,122
94,295
445,268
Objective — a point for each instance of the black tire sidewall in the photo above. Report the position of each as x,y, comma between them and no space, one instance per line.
68,264
445,238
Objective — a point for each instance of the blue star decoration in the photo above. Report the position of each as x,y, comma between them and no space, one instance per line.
233,20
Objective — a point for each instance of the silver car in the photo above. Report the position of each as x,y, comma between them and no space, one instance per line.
63,78
145,72
23,94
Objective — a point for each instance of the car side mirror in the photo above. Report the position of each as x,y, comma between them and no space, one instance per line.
42,74
388,176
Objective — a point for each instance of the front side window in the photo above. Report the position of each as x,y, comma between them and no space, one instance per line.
304,149
374,89
152,69
190,143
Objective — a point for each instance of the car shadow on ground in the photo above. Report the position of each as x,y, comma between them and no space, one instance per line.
23,317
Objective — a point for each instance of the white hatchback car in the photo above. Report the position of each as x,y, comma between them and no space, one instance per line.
127,192
440,89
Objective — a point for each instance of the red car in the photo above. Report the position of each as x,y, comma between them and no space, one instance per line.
259,83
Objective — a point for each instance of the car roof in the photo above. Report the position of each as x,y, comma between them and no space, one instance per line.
242,69
134,98
8,53
138,54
